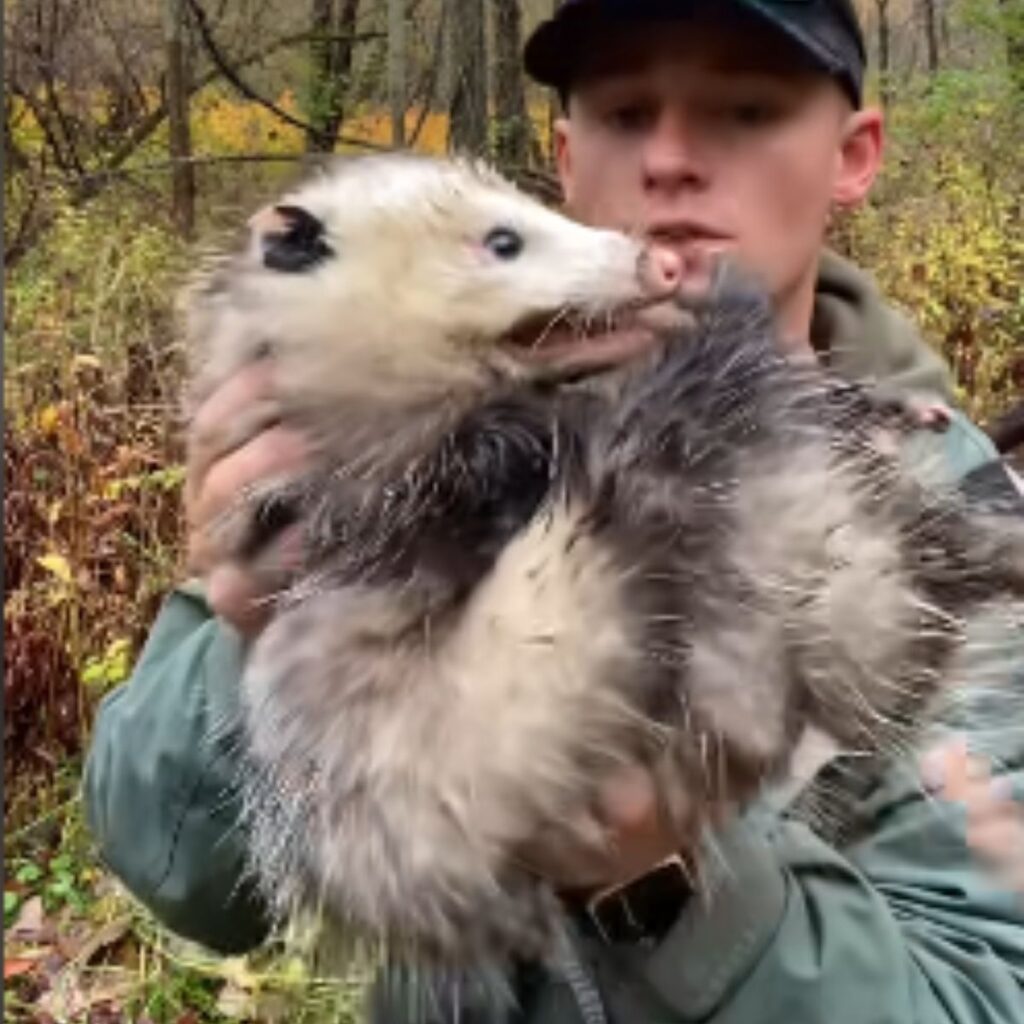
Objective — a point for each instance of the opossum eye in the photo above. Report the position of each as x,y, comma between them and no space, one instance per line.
505,243
295,242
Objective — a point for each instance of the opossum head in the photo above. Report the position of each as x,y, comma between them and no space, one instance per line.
407,279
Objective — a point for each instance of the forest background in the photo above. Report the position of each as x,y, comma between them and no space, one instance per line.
134,130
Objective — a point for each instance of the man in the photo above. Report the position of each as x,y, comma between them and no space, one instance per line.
730,126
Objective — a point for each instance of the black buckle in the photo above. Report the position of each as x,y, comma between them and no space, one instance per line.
643,910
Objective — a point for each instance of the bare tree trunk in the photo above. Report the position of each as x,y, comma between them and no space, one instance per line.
467,47
554,110
322,95
332,28
512,139
396,70
1012,12
183,182
884,58
931,31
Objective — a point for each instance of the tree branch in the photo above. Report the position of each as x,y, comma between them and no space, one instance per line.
213,51
160,166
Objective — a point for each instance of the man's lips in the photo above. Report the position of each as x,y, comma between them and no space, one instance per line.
676,232
682,236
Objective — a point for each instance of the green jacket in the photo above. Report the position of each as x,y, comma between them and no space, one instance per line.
903,926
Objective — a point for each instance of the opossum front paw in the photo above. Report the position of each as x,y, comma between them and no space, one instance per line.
575,853
917,412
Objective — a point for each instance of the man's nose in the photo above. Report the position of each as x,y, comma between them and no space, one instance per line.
673,157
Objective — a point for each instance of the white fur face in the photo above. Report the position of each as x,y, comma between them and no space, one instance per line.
430,265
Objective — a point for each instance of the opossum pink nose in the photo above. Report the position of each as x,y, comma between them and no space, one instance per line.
662,268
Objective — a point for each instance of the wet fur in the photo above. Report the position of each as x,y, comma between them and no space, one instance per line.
515,587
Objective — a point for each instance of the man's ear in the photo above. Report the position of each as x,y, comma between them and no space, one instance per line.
563,157
860,156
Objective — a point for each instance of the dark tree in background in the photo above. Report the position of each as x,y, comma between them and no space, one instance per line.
396,70
467,53
931,34
183,181
884,63
1012,17
332,31
512,134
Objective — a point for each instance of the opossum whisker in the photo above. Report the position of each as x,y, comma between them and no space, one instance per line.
713,846
561,314
722,775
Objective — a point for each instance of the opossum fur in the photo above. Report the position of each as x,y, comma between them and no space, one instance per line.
516,584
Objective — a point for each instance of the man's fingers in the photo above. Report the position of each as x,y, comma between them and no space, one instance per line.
628,801
278,452
216,419
235,596
995,821
999,839
250,384
243,595
951,770
629,805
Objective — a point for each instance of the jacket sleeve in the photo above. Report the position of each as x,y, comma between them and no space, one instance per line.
904,928
159,780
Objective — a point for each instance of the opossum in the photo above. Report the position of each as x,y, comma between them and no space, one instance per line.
529,564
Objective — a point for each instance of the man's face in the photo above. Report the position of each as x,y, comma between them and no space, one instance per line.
708,138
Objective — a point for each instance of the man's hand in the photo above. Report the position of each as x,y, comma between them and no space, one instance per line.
222,466
995,822
624,838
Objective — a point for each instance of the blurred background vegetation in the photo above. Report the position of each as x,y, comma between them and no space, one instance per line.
136,129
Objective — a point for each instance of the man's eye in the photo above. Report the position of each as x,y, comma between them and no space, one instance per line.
630,117
752,113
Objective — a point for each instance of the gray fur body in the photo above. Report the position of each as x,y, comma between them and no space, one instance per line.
514,587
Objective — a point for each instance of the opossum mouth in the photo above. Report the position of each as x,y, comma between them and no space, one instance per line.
572,345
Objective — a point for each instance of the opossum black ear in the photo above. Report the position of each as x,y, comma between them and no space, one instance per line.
291,239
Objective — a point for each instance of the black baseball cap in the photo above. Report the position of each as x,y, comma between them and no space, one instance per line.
827,32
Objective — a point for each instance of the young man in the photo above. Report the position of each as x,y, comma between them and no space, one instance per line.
728,126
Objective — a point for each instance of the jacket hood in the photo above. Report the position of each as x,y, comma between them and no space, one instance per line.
864,338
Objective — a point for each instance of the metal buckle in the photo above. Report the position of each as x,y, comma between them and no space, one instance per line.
643,909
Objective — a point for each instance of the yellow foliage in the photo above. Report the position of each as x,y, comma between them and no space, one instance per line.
58,565
48,419
224,125
945,238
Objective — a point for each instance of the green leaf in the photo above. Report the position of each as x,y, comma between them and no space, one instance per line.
94,673
62,862
28,873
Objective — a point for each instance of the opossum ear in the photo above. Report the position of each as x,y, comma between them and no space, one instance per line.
289,238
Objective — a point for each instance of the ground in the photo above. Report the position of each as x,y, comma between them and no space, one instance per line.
77,948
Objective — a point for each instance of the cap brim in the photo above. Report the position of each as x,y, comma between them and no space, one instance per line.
551,55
